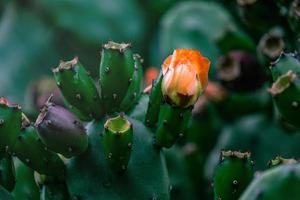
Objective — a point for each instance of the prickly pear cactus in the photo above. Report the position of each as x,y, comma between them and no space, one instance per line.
111,155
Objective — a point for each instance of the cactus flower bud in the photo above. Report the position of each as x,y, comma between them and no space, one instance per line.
185,77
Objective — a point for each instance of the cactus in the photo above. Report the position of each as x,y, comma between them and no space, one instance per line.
276,183
114,155
233,174
286,85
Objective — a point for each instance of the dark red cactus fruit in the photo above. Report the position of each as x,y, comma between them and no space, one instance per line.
61,130
240,71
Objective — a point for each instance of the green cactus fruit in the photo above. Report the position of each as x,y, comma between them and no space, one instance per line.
286,88
135,87
7,172
281,161
237,70
278,183
25,188
78,88
233,174
10,124
146,176
116,74
4,194
61,131
117,142
31,151
155,100
172,124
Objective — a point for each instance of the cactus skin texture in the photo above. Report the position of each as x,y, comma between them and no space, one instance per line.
278,183
232,175
167,133
10,124
286,87
78,88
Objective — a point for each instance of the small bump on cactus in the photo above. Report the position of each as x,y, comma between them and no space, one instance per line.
232,175
61,131
117,142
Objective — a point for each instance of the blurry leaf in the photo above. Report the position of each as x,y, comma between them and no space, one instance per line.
97,21
26,51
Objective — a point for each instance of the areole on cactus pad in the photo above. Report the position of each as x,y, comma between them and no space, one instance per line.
112,155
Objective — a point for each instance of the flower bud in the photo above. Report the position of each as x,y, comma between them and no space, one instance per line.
185,77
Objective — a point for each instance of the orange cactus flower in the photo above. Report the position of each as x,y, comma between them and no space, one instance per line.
185,76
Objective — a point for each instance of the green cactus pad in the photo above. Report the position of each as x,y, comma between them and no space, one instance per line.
155,100
7,172
117,142
78,88
172,124
232,175
146,176
116,71
278,183
32,152
10,124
